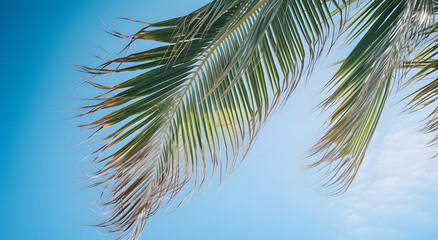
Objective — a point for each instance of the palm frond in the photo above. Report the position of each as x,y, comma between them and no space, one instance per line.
389,30
427,64
203,96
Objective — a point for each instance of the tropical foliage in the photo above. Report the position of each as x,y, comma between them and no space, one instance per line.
199,101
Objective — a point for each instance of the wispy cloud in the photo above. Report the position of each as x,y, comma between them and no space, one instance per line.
397,184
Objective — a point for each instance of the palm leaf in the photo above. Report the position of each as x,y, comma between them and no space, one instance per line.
202,97
427,64
389,31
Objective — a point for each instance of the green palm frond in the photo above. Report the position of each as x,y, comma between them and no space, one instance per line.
427,64
389,31
199,101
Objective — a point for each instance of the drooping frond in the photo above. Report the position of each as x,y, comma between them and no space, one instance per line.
389,30
427,64
200,100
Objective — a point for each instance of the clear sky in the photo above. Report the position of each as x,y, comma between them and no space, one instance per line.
270,196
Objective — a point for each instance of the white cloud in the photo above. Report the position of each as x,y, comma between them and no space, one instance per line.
396,185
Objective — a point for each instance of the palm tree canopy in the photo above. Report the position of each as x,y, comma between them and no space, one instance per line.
199,100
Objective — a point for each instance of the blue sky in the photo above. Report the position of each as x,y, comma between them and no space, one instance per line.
270,196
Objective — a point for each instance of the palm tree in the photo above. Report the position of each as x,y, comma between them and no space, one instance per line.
199,100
